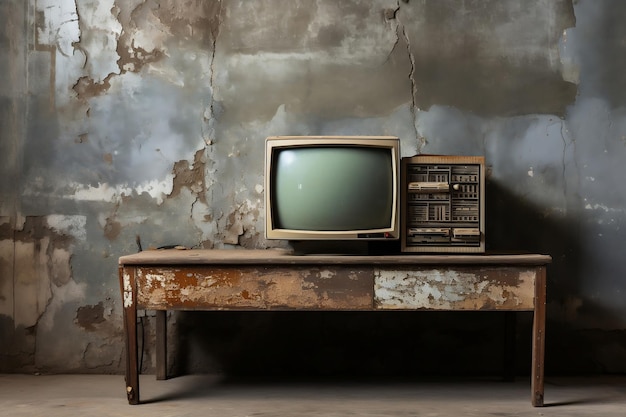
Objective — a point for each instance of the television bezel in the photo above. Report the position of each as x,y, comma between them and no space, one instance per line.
275,143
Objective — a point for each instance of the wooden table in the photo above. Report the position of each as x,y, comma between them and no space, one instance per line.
164,280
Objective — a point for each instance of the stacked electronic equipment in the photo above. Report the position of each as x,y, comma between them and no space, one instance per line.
443,204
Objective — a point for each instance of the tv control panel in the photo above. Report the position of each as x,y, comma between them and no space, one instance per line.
443,204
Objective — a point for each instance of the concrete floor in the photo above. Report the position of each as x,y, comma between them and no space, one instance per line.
103,395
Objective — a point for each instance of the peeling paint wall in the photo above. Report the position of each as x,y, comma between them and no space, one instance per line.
147,118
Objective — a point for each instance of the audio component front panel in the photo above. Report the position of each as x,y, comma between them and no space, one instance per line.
443,204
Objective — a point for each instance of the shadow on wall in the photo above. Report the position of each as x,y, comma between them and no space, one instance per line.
515,224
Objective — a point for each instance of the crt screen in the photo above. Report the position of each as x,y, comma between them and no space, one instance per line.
332,188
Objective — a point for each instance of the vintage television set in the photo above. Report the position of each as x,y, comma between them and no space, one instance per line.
332,188
443,204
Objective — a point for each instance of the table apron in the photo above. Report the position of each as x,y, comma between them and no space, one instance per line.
334,287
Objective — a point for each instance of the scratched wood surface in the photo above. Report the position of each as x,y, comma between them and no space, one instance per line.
254,287
335,288
277,256
460,288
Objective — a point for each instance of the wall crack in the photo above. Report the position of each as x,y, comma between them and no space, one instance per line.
210,120
401,34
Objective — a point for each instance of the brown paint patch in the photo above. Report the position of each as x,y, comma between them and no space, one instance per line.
56,247
192,177
244,287
89,316
36,229
6,231
234,228
86,87
192,19
6,272
239,229
108,158
83,138
112,229
252,239
134,58
207,244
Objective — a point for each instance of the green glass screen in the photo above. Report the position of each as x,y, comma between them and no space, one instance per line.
333,188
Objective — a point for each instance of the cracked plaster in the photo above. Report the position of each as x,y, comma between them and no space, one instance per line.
147,118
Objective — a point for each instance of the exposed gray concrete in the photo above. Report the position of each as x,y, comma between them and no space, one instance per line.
62,395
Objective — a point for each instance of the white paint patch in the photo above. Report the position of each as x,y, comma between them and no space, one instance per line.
186,293
150,278
73,225
99,41
603,208
60,27
128,291
326,274
103,192
258,188
107,193
436,289
422,289
150,35
157,189
531,173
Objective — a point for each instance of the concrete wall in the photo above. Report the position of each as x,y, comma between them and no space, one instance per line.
147,118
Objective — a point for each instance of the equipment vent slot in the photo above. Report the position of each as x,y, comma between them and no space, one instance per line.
465,173
415,197
418,214
439,212
429,173
466,191
429,213
465,212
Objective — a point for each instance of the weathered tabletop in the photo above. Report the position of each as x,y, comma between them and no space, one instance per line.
279,256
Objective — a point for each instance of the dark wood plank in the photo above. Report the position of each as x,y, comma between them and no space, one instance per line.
539,330
129,300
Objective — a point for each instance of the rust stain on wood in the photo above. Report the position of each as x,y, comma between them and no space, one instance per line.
254,287
509,288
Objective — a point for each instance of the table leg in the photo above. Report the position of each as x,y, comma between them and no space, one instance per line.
129,300
161,344
539,333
